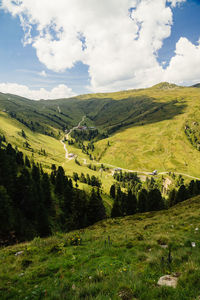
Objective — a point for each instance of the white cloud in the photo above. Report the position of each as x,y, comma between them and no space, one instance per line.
184,65
175,2
117,39
43,73
60,91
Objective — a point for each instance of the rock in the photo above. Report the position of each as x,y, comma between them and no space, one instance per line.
164,246
19,253
168,280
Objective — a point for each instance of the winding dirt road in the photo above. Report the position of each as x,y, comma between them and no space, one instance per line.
67,137
112,166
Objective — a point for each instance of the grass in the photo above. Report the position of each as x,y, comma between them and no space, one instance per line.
11,128
119,258
55,153
154,140
149,122
158,141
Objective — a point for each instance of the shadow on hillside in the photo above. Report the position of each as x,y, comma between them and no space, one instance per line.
115,115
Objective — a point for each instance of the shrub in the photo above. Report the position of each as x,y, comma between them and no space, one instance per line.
75,240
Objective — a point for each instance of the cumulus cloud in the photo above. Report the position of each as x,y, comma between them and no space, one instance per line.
60,91
183,66
43,73
175,2
118,39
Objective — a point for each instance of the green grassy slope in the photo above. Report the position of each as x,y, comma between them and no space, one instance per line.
54,150
146,126
126,268
41,116
157,140
11,128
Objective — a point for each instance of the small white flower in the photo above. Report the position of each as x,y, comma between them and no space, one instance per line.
196,229
193,244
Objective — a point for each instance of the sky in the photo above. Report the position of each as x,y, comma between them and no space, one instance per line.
55,49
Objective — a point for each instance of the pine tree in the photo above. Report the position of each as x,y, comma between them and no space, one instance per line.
142,200
96,209
131,203
172,198
182,194
6,213
154,200
59,181
112,191
117,207
191,188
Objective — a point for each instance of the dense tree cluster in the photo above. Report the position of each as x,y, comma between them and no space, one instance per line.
84,135
128,203
88,134
144,197
90,180
184,192
32,203
126,176
192,132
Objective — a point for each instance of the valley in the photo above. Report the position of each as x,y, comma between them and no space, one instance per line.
108,145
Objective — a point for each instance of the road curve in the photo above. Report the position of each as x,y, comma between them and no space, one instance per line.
112,166
66,137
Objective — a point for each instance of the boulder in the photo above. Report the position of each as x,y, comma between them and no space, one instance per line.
168,280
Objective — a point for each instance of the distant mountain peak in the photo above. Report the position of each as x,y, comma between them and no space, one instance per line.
197,85
165,86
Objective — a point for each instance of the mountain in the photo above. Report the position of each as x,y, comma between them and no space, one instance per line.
115,141
197,85
146,129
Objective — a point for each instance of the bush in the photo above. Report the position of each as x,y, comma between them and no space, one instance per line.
75,240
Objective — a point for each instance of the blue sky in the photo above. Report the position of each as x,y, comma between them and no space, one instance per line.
186,24
20,64
96,69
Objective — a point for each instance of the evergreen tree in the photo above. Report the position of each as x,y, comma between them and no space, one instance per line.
59,181
96,209
154,200
182,194
46,190
112,191
142,200
117,209
131,203
6,214
191,189
172,198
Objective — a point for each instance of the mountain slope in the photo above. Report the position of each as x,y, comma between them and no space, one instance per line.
132,252
148,128
158,140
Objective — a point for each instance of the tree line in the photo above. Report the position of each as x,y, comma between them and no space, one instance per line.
90,180
138,199
34,203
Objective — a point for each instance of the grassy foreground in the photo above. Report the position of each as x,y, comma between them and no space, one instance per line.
119,258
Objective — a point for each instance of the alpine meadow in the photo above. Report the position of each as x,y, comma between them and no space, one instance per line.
100,150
